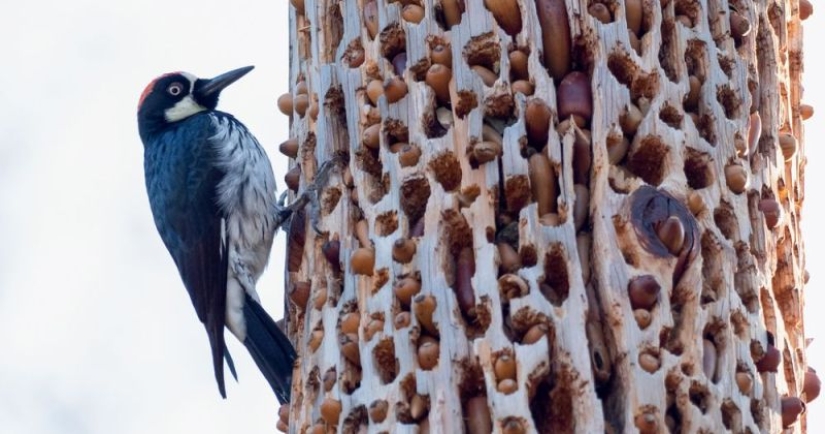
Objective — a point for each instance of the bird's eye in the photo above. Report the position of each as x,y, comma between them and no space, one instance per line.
175,89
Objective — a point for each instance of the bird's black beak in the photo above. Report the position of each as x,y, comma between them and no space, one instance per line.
209,89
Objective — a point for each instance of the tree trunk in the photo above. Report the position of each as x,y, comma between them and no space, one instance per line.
555,216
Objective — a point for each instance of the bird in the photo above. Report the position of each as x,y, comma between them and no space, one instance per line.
212,194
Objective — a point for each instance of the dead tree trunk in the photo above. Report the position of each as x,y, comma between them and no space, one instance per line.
556,216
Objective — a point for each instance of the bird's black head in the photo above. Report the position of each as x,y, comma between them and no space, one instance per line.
175,96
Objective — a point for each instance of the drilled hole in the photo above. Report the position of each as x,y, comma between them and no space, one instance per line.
729,101
446,170
667,51
555,284
386,223
698,169
622,67
725,220
393,41
415,192
712,273
385,360
647,160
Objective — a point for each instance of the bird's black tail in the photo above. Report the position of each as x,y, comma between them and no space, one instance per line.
270,348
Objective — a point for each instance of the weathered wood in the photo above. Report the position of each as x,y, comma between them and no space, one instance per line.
589,356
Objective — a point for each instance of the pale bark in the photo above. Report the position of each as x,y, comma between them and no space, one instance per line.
598,365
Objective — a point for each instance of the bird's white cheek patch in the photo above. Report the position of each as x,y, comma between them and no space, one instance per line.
183,109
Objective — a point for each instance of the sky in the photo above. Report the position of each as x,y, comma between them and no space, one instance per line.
97,334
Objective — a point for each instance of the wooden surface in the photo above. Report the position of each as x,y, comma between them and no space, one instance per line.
746,279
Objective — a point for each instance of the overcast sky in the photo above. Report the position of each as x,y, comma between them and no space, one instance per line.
97,334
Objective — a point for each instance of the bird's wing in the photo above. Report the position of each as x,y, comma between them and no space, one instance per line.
191,225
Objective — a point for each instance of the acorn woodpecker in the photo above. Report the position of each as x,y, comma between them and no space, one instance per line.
212,194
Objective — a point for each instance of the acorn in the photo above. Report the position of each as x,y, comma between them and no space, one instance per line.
299,294
505,367
600,12
331,410
744,380
643,318
409,155
395,89
649,362
523,87
484,152
378,410
438,78
543,183
349,348
428,354
403,250
806,111
477,416
643,292
736,177
671,233
350,322
633,14
770,360
772,211
405,289
811,385
424,307
401,320
412,13
788,144
535,333
537,117
507,15
792,407
507,386
285,104
371,137
442,54
575,99
289,148
555,31
301,103
375,88
518,65
362,261
487,77
371,18
806,9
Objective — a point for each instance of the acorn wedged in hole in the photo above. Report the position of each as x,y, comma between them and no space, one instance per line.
575,99
428,350
770,360
438,78
362,261
811,386
772,211
537,117
403,250
406,288
792,407
643,292
671,233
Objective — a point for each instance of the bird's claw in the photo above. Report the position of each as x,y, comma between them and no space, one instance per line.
309,196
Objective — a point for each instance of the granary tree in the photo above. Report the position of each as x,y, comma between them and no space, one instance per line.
552,216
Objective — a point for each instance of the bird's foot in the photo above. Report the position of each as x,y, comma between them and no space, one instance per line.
310,196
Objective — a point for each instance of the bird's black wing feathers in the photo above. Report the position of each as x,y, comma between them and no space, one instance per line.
189,221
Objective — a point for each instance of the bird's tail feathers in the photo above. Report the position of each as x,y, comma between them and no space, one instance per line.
270,348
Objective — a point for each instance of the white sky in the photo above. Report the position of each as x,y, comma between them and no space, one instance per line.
97,334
